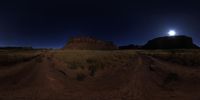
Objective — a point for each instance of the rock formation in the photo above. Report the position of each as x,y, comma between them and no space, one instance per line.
88,43
175,42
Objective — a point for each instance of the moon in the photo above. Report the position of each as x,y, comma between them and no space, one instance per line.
172,33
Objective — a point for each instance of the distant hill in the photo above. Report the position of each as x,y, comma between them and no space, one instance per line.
130,47
88,43
175,42
17,48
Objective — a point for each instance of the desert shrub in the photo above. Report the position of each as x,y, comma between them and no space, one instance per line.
74,65
191,59
170,78
39,59
91,60
80,76
11,59
92,70
62,72
93,66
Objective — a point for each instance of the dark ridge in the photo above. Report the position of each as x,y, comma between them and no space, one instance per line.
17,48
174,42
130,47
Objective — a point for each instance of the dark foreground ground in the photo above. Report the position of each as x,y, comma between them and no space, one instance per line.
99,75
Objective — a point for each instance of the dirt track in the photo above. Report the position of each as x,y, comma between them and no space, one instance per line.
145,78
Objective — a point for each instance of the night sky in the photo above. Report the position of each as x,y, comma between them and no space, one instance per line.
49,24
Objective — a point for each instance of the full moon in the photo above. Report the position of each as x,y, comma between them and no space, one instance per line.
172,33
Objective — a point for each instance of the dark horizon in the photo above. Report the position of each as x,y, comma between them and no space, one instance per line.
31,47
49,24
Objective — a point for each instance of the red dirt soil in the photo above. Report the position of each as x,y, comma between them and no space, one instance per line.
145,78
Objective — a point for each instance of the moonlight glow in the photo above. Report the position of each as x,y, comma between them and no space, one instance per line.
172,33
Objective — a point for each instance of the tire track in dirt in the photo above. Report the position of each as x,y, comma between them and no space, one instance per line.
183,81
33,79
45,78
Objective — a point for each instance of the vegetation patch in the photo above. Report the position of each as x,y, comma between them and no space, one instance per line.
7,58
171,77
94,65
183,57
80,76
75,65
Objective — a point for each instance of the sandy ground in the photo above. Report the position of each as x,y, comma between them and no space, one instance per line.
144,78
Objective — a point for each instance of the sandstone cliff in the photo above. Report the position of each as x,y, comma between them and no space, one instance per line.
88,43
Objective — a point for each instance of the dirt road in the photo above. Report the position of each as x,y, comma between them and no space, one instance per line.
144,78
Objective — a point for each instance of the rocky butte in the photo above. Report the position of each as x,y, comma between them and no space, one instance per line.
171,42
88,43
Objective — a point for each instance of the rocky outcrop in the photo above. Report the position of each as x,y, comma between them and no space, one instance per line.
88,43
175,42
